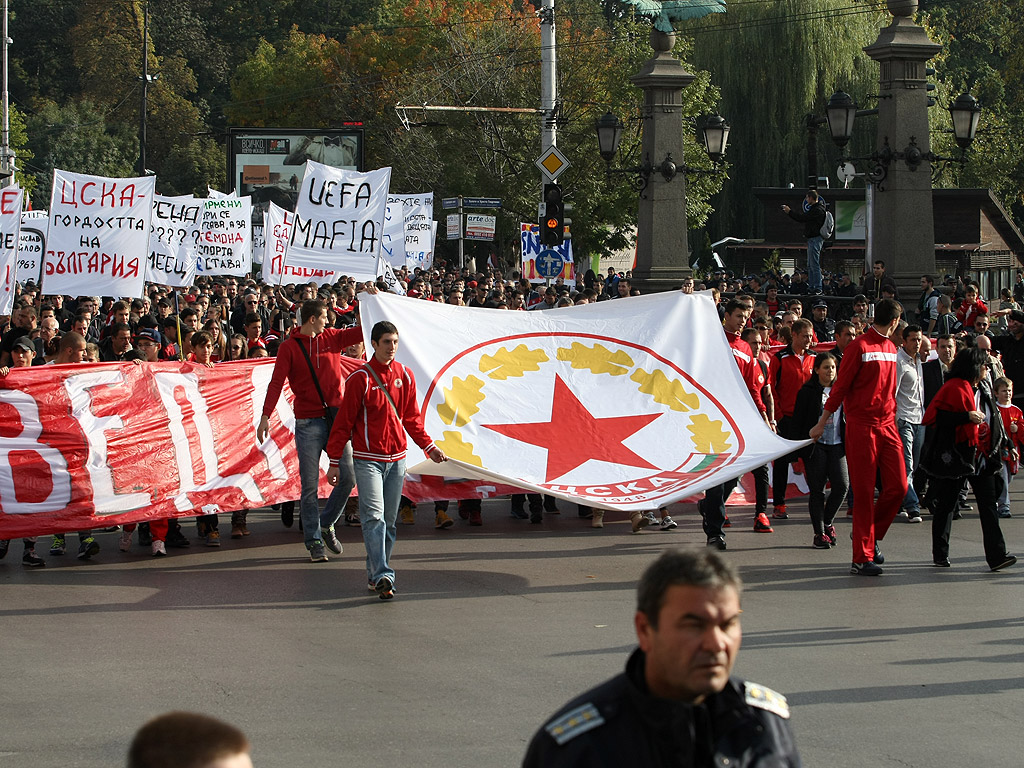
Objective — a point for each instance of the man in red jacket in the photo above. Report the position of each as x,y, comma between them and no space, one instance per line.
790,369
712,506
379,407
866,389
314,351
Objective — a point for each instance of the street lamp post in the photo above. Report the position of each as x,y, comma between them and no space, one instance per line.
662,251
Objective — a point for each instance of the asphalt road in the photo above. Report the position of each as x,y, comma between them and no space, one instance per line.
494,628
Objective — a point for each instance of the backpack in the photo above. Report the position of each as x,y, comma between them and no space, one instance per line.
829,225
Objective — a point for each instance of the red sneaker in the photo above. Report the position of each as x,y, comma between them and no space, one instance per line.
779,513
761,524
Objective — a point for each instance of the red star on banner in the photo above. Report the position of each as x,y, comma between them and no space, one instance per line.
573,436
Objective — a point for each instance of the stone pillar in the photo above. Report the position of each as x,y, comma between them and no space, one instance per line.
903,229
663,255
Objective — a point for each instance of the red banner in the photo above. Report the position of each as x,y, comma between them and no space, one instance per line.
88,446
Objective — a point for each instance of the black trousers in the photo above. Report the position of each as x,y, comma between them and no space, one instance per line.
780,467
712,507
826,463
986,491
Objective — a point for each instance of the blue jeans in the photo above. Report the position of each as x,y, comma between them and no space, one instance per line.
380,493
310,440
814,261
912,437
1003,501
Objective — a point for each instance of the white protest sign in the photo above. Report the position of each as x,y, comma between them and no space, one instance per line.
454,221
173,239
31,244
278,226
225,237
98,234
259,242
339,220
419,231
385,271
392,244
216,194
11,200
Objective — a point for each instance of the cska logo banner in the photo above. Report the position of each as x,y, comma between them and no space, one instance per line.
630,404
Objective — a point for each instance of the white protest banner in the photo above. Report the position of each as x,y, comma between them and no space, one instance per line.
419,231
216,194
225,237
392,244
259,242
604,404
480,226
31,244
98,235
531,247
11,200
407,230
278,226
339,220
385,272
173,239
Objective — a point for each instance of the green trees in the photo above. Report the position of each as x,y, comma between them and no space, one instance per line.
75,77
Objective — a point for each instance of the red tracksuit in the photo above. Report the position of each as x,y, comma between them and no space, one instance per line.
866,388
370,421
750,370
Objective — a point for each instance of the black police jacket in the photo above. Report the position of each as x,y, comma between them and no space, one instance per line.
619,723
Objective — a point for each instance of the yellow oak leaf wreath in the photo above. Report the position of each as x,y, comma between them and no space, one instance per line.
462,399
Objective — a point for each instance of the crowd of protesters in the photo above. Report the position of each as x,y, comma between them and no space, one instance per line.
785,329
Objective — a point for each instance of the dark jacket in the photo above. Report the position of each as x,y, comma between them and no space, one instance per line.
807,411
620,724
933,379
812,220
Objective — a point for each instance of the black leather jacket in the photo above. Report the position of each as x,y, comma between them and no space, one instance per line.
619,723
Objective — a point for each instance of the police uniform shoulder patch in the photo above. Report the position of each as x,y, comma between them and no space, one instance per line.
765,698
567,727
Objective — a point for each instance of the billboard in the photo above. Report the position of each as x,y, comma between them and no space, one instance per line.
267,163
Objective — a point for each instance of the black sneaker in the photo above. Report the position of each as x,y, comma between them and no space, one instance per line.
329,539
288,514
145,535
518,511
1006,563
316,552
352,520
865,569
550,505
536,516
177,540
31,560
717,542
385,588
943,563
879,557
87,548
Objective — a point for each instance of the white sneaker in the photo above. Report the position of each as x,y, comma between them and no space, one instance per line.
915,518
597,521
667,523
903,514
124,543
159,550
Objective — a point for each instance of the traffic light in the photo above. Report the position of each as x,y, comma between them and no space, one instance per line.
930,87
552,223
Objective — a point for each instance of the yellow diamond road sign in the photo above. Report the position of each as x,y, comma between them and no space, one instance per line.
552,162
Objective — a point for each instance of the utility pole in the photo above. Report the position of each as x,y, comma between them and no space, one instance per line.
7,165
548,76
145,89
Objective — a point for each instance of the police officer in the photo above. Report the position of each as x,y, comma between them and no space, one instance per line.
676,703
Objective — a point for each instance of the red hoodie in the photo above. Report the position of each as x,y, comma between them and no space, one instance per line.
369,420
325,354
